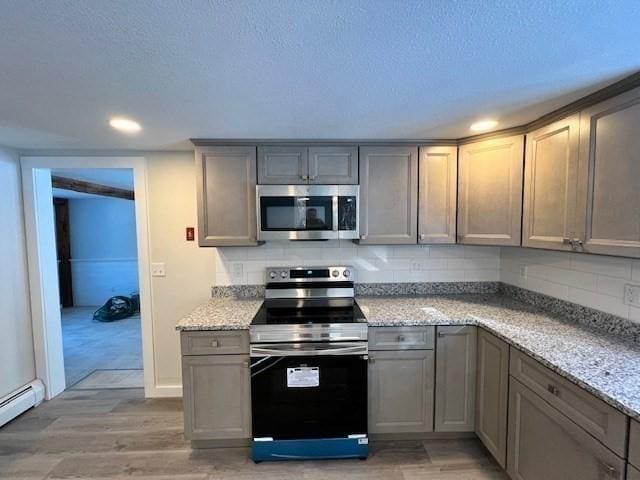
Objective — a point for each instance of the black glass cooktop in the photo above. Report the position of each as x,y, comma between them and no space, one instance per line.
296,312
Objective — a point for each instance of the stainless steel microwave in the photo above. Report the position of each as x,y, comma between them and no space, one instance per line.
307,212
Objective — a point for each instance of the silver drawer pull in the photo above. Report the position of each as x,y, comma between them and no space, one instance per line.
214,343
553,390
442,334
401,338
610,471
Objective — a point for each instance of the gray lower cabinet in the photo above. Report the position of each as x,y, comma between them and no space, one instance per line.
634,443
632,473
226,191
400,391
492,394
455,379
388,195
217,397
545,444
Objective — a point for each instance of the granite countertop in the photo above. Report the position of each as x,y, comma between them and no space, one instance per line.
606,365
224,313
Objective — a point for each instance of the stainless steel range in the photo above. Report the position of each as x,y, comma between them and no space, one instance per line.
309,367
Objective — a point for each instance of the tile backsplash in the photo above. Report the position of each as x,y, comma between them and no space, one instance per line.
373,264
590,280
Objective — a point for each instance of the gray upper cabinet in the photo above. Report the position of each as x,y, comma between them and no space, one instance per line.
609,189
550,184
217,397
455,379
283,165
544,444
333,165
437,194
226,191
401,391
388,195
300,165
492,394
490,191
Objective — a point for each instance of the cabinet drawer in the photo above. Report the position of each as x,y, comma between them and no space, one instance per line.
599,419
401,338
215,343
634,444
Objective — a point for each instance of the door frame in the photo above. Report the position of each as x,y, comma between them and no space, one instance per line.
43,273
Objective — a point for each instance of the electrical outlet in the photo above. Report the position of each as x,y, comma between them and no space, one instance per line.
417,265
237,271
524,272
157,270
632,295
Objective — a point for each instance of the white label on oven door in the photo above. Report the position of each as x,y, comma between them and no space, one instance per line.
300,377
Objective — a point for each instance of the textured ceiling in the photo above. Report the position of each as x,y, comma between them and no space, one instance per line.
305,69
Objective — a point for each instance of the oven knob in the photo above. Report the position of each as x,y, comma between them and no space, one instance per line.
272,275
283,274
346,273
335,273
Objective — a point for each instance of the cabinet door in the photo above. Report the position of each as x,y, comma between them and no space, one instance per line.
333,165
217,397
437,194
401,391
550,182
544,444
634,443
490,191
455,379
283,165
609,185
492,389
632,472
226,191
388,195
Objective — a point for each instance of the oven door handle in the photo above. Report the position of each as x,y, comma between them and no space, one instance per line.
308,349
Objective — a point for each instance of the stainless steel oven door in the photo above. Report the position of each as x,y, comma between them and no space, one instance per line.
307,212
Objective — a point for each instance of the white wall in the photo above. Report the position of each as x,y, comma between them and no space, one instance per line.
190,270
103,249
591,280
401,263
17,362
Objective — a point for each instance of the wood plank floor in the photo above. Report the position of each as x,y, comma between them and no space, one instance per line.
96,434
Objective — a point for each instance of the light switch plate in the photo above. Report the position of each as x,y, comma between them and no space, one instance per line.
157,270
417,265
237,271
632,295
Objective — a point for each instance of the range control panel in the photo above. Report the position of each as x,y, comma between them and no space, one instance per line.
309,274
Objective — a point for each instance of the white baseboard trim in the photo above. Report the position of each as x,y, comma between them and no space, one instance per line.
21,400
164,391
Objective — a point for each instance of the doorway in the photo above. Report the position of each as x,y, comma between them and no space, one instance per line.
95,224
73,348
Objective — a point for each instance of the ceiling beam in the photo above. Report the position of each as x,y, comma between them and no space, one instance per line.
91,188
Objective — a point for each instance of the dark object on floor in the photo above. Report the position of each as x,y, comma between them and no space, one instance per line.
135,302
116,308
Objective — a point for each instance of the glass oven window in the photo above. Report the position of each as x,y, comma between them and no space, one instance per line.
296,213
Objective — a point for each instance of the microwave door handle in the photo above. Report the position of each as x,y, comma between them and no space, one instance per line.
336,220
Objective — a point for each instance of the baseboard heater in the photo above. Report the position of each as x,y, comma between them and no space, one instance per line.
12,405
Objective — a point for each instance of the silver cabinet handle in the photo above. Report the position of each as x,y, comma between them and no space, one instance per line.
567,241
401,338
245,363
422,236
553,390
305,177
214,343
609,470
363,237
442,334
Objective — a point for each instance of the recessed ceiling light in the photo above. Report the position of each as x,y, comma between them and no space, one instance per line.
125,125
483,125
